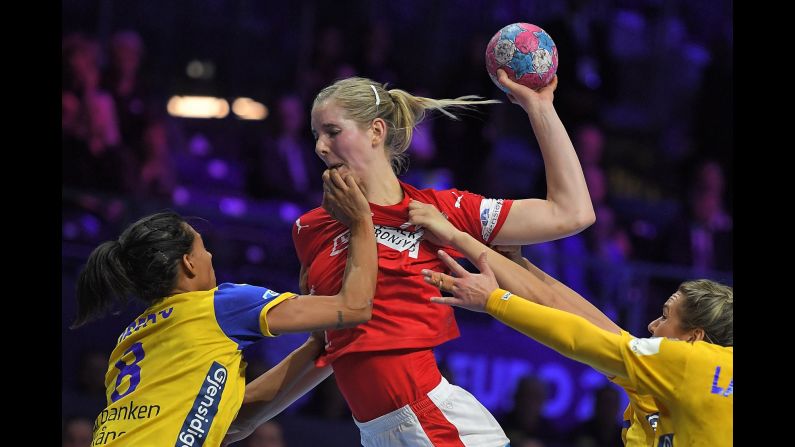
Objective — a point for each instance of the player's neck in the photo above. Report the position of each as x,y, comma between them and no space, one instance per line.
382,188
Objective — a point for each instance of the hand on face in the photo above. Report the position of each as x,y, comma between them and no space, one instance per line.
343,199
525,96
440,230
470,291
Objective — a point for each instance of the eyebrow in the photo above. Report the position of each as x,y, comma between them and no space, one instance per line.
324,126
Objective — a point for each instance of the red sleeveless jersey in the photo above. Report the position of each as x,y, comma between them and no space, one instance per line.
403,316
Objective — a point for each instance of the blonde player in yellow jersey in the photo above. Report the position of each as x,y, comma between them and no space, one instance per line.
177,376
686,368
641,414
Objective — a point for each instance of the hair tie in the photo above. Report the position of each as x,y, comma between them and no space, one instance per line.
377,98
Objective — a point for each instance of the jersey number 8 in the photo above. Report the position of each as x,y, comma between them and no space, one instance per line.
132,370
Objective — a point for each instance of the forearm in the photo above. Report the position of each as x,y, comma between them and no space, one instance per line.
361,270
252,415
568,300
282,376
351,306
533,283
567,191
570,335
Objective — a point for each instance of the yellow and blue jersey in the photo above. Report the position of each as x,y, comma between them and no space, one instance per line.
640,417
177,376
692,384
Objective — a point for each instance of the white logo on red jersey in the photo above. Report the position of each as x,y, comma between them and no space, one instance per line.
400,240
298,224
457,199
341,243
395,238
489,215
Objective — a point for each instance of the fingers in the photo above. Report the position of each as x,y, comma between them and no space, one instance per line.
328,184
451,263
483,264
505,80
417,205
420,213
449,300
438,279
332,181
351,183
337,180
553,84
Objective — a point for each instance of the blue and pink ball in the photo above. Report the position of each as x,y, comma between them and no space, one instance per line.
526,53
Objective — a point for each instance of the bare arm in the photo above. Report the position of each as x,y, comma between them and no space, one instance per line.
571,301
569,334
252,414
532,283
353,304
282,376
567,208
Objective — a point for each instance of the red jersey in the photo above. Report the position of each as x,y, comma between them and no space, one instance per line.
403,316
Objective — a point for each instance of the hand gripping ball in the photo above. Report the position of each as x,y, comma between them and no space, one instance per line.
526,53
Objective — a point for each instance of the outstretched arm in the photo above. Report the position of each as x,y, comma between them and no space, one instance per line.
567,208
565,298
353,304
532,283
570,335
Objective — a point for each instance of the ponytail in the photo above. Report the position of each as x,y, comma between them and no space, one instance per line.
143,264
364,100
103,284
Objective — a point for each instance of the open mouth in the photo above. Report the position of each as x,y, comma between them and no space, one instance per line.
336,166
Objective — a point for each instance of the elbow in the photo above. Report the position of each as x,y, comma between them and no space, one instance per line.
359,314
587,219
581,220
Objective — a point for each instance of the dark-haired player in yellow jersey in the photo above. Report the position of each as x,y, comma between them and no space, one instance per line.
177,376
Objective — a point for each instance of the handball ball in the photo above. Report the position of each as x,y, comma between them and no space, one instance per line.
526,53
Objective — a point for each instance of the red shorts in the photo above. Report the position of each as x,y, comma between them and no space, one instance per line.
399,398
376,383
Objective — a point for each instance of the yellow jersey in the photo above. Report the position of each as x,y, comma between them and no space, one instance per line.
640,417
692,383
177,376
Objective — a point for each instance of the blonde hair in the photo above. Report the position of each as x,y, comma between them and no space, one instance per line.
710,306
365,100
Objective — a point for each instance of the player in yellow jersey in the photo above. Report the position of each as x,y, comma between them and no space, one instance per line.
686,369
177,376
641,414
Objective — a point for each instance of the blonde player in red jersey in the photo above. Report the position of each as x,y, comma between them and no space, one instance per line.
176,375
689,381
386,369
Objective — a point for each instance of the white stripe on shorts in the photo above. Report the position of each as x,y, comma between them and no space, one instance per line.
476,426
